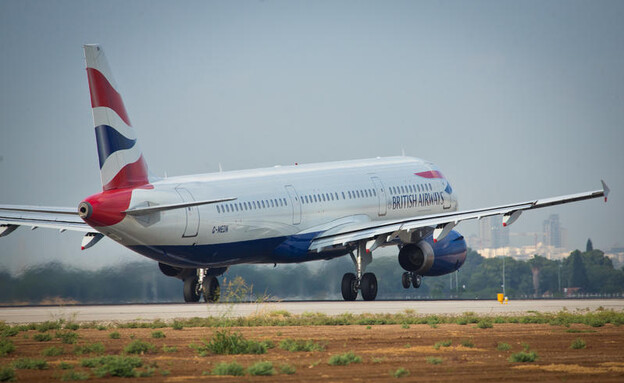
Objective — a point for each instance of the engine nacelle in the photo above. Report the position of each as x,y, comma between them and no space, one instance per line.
430,259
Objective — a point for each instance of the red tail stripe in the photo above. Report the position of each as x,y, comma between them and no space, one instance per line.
103,94
131,175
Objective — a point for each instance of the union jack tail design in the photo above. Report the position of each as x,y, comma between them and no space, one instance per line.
121,161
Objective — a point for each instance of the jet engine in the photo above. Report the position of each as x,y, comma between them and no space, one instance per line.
431,259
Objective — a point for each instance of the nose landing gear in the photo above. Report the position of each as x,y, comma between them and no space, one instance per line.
202,284
409,278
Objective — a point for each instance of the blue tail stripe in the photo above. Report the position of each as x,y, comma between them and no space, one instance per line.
109,140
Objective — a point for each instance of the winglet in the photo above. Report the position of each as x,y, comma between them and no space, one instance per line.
605,190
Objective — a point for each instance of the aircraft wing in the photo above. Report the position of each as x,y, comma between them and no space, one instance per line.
61,218
382,232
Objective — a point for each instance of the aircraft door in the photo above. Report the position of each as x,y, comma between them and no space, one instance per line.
381,195
295,203
192,214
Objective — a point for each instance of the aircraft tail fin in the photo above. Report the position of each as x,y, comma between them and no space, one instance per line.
121,161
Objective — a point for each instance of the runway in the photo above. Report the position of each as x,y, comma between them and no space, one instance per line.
168,312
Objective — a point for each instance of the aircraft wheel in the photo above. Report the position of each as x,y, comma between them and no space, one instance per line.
191,289
405,280
416,281
349,288
369,286
211,289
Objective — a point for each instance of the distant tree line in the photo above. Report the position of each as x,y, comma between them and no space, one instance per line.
588,272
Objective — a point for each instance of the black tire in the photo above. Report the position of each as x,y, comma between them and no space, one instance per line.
211,289
416,281
368,284
349,292
191,289
405,280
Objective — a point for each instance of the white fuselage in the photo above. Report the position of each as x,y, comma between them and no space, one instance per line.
274,206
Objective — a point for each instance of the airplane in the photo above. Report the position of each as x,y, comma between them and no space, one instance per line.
197,226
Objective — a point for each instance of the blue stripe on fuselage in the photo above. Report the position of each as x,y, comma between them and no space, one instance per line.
109,140
291,249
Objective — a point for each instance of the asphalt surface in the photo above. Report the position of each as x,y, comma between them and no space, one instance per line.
168,312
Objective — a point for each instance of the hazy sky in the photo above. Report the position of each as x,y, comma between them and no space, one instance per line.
513,100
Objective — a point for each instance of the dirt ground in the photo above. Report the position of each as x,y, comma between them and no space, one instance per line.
383,349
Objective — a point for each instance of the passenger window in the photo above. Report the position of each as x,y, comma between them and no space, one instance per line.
262,204
218,209
323,195
343,195
374,193
285,202
349,194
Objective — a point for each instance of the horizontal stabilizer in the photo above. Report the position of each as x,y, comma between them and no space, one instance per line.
156,208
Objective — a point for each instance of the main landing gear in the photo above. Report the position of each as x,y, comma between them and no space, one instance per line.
367,282
409,278
200,284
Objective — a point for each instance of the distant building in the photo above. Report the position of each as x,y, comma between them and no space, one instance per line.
554,235
492,234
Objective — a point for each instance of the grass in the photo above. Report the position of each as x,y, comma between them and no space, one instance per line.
30,364
443,343
158,334
433,360
502,346
378,360
9,332
300,345
66,366
177,325
577,331
47,326
523,357
232,369
113,365
114,335
139,347
74,375
7,374
344,359
90,348
168,349
72,326
467,343
485,324
225,343
405,326
67,337
562,318
261,369
52,351
6,347
578,344
42,337
400,373
287,369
